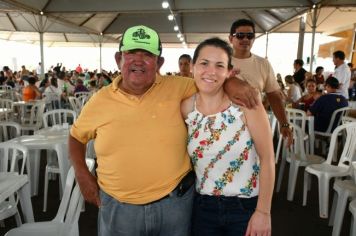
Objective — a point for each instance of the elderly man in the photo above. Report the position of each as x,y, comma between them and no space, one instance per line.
144,183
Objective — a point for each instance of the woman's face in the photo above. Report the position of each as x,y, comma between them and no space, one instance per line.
311,87
211,69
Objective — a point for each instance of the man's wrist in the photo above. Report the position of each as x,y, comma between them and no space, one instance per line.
285,125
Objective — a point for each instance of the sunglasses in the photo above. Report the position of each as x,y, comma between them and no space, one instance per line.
240,35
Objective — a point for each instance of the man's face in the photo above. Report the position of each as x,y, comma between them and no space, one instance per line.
184,66
138,69
240,40
336,61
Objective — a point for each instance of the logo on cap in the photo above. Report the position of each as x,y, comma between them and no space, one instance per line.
141,34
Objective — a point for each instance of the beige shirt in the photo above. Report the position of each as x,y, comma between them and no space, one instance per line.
258,72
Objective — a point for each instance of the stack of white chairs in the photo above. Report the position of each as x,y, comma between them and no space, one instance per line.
33,121
344,191
66,221
10,153
327,170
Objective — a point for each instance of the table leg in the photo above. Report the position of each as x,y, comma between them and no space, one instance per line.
34,174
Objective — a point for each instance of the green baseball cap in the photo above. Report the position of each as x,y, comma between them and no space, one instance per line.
141,37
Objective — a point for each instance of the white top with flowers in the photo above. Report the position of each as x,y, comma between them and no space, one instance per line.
223,154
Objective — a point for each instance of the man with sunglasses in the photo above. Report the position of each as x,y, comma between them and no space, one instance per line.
256,70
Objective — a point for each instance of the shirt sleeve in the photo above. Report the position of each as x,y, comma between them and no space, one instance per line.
271,81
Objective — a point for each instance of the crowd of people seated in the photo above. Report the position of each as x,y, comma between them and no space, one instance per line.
57,80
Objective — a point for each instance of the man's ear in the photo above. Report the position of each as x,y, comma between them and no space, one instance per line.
160,62
118,57
230,38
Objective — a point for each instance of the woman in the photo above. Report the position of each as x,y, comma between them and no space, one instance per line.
31,92
308,99
294,91
232,158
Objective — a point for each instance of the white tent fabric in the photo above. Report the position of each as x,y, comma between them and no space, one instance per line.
94,22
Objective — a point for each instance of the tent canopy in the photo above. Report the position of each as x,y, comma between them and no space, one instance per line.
93,21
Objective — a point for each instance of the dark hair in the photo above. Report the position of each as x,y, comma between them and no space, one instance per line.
44,82
241,22
92,83
216,42
54,82
339,54
32,80
299,62
289,79
5,68
185,56
332,82
319,68
350,64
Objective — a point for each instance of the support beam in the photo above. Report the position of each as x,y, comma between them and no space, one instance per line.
11,21
251,18
65,37
353,46
46,5
301,37
41,46
266,55
87,19
111,22
314,20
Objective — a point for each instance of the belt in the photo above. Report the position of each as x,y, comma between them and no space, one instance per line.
183,186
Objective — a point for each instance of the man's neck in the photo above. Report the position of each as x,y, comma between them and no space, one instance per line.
242,55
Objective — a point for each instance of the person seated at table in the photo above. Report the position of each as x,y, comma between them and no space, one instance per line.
323,108
308,99
80,87
294,92
319,78
31,92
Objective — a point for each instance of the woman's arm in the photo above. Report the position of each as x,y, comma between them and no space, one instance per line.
259,127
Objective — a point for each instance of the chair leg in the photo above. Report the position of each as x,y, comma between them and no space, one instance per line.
323,196
339,212
293,174
305,187
333,207
279,147
45,191
280,174
18,218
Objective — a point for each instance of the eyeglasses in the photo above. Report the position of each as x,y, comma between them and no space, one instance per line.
240,35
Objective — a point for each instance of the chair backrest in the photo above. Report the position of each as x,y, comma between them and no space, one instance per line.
5,87
336,117
7,104
11,152
78,94
347,119
76,104
298,142
272,121
9,130
72,200
297,117
349,147
36,113
52,100
58,117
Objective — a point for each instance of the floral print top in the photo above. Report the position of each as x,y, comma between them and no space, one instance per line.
223,154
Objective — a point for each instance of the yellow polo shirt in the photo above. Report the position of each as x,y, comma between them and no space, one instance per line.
140,143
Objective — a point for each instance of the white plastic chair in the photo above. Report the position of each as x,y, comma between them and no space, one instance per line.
344,190
297,158
327,170
34,121
51,118
10,153
9,130
76,104
352,208
58,117
52,100
66,221
297,117
335,121
6,104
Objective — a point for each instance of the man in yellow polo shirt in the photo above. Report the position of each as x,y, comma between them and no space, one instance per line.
144,183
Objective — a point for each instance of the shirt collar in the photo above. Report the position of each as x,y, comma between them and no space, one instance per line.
115,83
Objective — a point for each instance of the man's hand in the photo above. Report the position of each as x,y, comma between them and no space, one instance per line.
287,133
241,92
89,188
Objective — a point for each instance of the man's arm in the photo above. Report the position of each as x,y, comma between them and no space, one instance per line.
241,92
276,102
87,182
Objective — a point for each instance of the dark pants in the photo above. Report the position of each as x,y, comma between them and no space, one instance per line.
217,216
